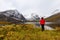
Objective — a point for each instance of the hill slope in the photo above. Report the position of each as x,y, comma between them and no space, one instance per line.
54,18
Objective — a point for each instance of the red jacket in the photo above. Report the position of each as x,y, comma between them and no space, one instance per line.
42,21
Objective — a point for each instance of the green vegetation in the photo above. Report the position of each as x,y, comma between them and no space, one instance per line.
27,32
4,22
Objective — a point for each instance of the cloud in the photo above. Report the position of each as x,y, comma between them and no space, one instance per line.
27,7
5,5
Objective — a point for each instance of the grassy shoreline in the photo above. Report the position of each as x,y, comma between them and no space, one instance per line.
27,32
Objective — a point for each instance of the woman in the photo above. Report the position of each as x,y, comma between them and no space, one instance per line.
42,23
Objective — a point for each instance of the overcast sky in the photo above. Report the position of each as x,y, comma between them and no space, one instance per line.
43,8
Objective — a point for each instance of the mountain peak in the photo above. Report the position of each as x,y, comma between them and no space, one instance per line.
12,14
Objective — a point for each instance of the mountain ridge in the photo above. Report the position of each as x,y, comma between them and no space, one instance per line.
12,16
53,18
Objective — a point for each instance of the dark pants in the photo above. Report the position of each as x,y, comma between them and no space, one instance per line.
42,25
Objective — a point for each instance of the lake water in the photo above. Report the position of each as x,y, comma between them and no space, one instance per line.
39,23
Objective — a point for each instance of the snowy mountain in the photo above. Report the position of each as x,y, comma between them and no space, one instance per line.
34,17
11,16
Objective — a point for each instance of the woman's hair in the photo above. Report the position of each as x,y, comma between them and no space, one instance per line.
42,18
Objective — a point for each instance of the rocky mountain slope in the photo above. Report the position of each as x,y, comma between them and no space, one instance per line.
12,16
